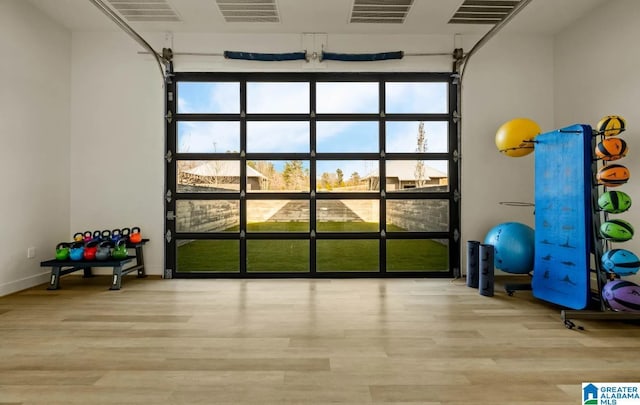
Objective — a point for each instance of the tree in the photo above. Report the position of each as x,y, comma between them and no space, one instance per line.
355,179
421,147
295,176
340,181
325,181
272,178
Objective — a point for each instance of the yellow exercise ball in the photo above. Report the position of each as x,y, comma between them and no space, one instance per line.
512,137
611,125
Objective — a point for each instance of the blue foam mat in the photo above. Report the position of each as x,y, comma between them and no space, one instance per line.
563,216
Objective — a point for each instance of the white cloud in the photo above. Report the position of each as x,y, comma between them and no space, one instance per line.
347,136
402,136
218,97
225,98
208,137
281,97
416,97
293,97
342,98
277,136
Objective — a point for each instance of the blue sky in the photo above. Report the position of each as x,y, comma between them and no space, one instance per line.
293,137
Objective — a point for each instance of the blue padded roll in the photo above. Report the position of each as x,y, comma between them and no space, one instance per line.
362,57
486,275
266,57
473,247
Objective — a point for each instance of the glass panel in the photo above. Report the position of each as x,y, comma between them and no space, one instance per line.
417,175
277,136
278,255
408,137
418,215
348,215
278,216
417,255
208,256
208,98
208,176
347,98
347,137
278,175
275,98
347,175
207,215
416,98
347,255
208,137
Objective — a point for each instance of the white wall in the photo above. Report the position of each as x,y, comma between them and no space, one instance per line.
117,140
510,77
117,127
596,74
105,165
35,117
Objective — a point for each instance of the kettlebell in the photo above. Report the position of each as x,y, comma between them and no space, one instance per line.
62,251
120,251
78,237
90,250
76,251
104,250
97,235
135,236
125,232
87,236
106,234
115,235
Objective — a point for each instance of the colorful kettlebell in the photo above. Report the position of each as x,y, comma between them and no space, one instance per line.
62,251
76,251
104,250
90,250
124,233
87,236
120,251
97,235
106,234
135,236
115,235
78,237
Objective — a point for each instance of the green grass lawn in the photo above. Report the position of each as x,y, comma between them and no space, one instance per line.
293,255
304,227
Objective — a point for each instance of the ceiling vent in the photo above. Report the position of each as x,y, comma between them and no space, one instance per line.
145,10
249,10
483,11
380,11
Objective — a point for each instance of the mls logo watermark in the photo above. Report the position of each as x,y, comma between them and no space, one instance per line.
611,393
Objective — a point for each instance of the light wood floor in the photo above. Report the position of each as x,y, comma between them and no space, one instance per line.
404,341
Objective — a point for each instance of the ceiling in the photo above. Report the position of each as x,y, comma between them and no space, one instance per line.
320,16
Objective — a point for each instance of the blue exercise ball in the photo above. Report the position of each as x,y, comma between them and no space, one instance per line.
514,246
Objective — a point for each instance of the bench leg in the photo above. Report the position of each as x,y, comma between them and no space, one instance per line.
87,272
54,280
140,262
116,279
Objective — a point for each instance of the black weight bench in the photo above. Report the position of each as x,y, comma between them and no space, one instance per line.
60,268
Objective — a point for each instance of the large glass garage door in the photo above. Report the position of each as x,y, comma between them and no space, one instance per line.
311,175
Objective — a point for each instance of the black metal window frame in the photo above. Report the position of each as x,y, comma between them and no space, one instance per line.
451,156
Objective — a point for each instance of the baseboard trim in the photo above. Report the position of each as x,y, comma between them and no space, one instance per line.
24,283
